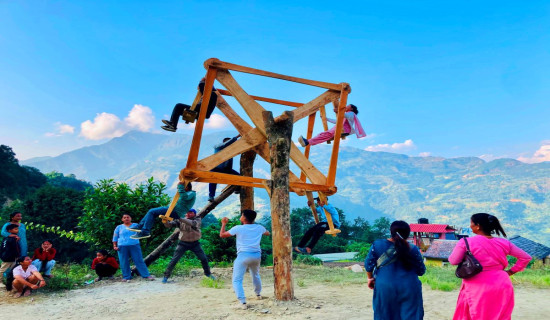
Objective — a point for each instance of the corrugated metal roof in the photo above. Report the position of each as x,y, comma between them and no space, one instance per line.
534,249
441,249
431,228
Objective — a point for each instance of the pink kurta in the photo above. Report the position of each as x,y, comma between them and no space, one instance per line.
489,294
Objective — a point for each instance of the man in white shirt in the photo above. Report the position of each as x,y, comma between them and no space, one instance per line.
249,253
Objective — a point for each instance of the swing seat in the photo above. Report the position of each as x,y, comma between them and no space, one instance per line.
189,116
333,232
342,136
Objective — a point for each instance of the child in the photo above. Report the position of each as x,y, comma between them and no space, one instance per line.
10,251
105,266
351,125
249,253
26,278
43,258
172,124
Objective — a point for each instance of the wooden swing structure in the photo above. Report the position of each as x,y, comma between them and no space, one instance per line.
253,137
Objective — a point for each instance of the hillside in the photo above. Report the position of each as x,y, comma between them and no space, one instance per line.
370,184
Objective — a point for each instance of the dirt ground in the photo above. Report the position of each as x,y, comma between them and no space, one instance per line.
185,298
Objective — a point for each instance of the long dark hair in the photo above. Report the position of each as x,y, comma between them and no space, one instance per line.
488,223
400,231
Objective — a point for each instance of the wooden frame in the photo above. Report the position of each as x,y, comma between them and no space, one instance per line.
253,137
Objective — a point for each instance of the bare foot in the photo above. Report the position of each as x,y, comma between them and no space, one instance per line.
27,293
17,294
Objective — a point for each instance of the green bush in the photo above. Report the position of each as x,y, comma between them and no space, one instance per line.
307,260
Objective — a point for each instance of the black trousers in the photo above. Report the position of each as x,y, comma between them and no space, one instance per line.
182,248
104,270
212,186
178,111
314,233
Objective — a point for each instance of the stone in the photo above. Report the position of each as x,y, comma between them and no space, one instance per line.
357,268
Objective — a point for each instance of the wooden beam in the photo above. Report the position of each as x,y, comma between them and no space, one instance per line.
250,106
332,231
314,175
275,101
331,175
313,208
197,135
323,113
310,124
216,63
315,104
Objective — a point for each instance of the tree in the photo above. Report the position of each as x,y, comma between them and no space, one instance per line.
68,181
16,181
105,204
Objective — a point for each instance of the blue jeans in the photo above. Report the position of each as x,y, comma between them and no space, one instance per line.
134,252
147,222
47,268
250,260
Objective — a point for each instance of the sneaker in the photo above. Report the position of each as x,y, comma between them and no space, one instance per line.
303,142
168,123
212,277
242,306
149,278
300,250
165,280
136,228
211,199
140,235
169,128
259,297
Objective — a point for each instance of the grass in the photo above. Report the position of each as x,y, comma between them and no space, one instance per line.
330,276
210,283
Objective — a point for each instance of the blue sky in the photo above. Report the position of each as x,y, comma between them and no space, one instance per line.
440,78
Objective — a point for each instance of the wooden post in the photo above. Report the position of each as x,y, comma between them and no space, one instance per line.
247,167
310,124
331,175
278,136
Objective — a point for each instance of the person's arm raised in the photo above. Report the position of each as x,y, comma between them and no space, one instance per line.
223,233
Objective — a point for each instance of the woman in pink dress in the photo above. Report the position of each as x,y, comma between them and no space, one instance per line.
489,294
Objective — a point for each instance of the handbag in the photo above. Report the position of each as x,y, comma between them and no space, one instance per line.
385,259
469,266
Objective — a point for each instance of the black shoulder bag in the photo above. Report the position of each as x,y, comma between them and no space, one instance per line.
385,259
469,267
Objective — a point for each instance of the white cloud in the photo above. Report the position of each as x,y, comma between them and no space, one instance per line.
398,146
107,125
60,129
140,117
216,121
541,155
425,154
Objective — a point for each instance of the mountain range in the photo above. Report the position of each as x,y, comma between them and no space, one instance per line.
370,184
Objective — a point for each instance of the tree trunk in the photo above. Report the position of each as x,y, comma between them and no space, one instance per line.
247,168
279,133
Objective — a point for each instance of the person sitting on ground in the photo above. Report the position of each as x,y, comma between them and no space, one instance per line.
351,125
43,258
249,253
314,233
9,251
172,124
224,167
127,248
26,278
189,236
105,265
15,218
185,202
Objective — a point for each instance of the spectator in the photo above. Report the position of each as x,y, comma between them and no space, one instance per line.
9,252
43,258
105,265
15,218
26,278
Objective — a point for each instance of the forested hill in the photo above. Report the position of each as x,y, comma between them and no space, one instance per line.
370,184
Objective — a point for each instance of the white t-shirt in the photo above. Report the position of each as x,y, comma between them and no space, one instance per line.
25,274
248,237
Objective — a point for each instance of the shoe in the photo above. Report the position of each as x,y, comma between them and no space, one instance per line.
98,279
212,277
168,123
136,229
140,235
259,297
303,142
242,306
210,199
149,278
27,293
300,250
17,295
169,128
164,280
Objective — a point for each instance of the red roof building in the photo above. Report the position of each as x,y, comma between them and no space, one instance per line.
425,234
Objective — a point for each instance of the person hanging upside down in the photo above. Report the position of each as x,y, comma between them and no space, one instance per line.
172,124
351,125
314,233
